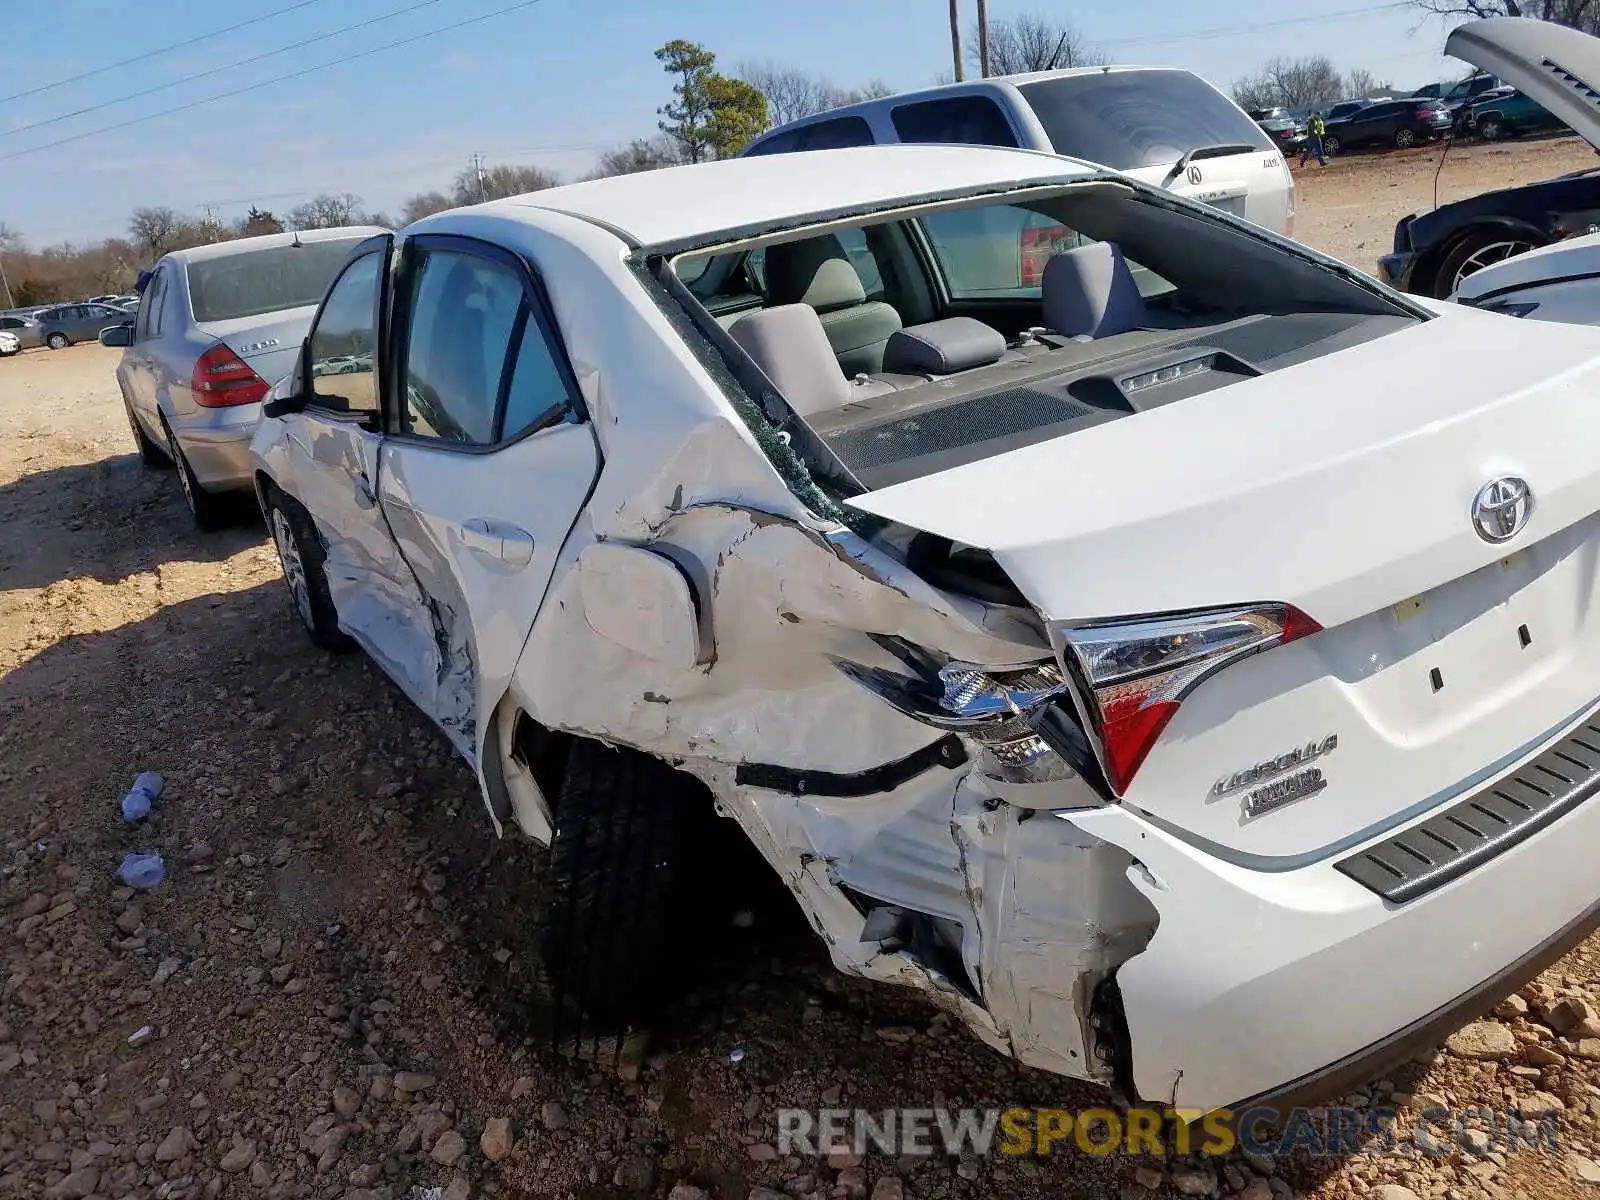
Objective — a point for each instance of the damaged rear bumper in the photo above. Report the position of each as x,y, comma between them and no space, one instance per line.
1291,986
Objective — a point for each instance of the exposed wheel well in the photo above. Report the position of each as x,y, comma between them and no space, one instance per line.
1433,259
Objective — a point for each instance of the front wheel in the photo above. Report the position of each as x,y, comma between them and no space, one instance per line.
1491,129
301,555
57,341
1475,250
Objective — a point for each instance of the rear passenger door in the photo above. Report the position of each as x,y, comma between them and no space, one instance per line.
488,460
136,369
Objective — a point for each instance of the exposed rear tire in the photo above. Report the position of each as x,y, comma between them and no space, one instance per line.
1404,139
301,555
209,510
624,906
1330,146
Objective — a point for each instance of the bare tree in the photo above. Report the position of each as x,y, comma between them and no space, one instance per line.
1580,14
327,211
1361,82
641,154
424,205
791,93
1256,91
258,221
1032,42
474,186
1305,82
153,229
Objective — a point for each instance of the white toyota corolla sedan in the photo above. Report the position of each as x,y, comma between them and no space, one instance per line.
1166,647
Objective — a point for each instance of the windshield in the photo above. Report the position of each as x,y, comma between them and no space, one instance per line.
253,282
1131,119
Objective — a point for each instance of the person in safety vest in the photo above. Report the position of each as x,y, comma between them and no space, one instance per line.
1315,129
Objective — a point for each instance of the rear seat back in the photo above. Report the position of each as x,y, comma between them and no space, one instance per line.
817,272
789,345
1089,292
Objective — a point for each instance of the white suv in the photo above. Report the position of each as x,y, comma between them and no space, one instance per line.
1164,126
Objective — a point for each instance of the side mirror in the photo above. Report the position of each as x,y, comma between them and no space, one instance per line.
117,335
291,394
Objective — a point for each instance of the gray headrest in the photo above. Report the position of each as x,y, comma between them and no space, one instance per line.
1089,292
789,344
815,271
943,347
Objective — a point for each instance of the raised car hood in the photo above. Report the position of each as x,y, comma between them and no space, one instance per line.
1339,485
1554,64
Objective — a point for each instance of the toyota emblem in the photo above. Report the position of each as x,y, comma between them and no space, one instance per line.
1194,175
1501,508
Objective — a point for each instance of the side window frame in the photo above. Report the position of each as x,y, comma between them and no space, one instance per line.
380,244
961,97
150,306
535,307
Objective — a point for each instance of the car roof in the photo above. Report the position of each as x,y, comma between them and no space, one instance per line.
676,204
268,240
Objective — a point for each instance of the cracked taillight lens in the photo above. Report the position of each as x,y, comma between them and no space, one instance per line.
1136,672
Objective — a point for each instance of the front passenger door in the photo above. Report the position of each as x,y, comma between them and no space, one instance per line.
333,450
489,460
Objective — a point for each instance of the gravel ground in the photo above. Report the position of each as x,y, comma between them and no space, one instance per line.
326,995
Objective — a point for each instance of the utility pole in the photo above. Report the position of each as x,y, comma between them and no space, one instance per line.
477,170
955,37
983,37
11,301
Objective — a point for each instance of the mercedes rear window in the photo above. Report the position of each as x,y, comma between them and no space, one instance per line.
1131,119
253,282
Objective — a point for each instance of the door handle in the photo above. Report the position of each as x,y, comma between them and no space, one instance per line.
504,543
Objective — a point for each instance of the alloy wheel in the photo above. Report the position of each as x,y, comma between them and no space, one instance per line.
184,482
1492,253
294,568
1405,139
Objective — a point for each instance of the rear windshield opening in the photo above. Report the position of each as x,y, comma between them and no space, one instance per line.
253,282
1126,120
888,350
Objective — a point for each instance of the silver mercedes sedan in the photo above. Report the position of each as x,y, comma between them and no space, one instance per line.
216,327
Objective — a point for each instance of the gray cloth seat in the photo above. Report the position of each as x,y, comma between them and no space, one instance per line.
790,347
817,272
1089,292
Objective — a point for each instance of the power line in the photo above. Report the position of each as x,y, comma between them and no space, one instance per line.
254,87
137,58
1200,35
243,62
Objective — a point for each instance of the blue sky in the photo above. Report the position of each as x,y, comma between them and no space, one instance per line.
554,84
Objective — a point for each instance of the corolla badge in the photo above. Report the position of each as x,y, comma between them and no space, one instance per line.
1501,508
1264,798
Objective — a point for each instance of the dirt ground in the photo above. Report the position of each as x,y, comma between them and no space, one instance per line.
325,996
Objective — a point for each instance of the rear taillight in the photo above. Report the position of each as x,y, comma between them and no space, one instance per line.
1036,247
1427,114
222,379
1135,673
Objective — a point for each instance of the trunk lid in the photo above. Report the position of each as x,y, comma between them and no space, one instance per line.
1555,65
1344,486
269,342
